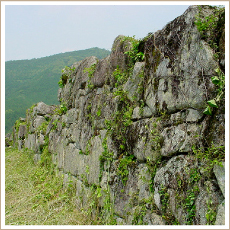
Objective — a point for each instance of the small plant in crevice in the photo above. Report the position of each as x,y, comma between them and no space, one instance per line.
108,212
152,167
88,148
119,77
66,73
99,112
122,169
46,158
211,212
219,81
90,72
166,213
42,128
139,214
18,123
190,204
55,124
106,156
209,157
120,121
61,109
134,52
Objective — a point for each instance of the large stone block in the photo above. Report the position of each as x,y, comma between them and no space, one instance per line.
22,132
42,109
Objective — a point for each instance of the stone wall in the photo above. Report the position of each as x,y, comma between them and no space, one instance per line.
131,129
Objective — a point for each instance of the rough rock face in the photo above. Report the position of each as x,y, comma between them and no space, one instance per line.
133,131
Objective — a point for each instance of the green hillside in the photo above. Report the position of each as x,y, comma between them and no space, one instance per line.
30,81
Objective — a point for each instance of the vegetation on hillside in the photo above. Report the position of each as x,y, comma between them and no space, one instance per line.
30,81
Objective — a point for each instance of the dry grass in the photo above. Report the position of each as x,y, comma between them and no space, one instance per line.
35,196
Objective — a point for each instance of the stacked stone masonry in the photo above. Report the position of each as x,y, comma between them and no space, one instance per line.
145,161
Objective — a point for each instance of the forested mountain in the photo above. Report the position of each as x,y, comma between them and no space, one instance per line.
30,81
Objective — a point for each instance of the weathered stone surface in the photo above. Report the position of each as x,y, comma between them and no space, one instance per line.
22,132
176,85
9,140
220,175
118,56
217,130
69,94
30,141
43,109
83,194
20,144
179,173
133,84
101,72
71,116
220,217
193,115
139,113
153,219
208,199
38,121
145,140
179,138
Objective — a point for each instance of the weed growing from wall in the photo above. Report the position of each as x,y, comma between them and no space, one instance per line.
61,109
122,170
209,157
66,74
134,52
90,72
219,81
211,26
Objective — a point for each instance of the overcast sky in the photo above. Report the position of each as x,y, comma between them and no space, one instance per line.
33,31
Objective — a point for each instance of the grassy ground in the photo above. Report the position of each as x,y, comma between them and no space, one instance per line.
34,195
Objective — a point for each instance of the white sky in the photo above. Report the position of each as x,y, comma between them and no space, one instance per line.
33,31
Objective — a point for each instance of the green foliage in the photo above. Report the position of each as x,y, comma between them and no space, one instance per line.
61,109
68,71
100,215
210,27
210,156
55,123
164,196
106,155
190,204
99,112
152,167
30,81
18,123
122,170
219,81
108,212
134,52
46,159
90,72
166,214
118,125
119,77
203,24
88,147
139,214
211,213
42,128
